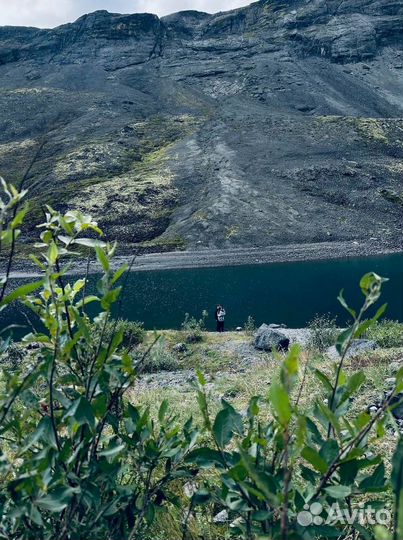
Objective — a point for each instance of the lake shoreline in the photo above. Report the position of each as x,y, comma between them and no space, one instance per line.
210,258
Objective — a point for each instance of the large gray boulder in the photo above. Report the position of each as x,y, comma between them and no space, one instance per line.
267,339
360,346
357,347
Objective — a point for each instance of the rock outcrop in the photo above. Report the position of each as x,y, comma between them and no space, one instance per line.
275,123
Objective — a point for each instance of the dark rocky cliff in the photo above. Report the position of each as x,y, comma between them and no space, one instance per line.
275,123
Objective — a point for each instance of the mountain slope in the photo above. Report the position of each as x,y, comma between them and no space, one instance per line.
275,123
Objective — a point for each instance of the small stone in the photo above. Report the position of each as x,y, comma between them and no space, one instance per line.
221,517
239,328
33,345
395,366
189,489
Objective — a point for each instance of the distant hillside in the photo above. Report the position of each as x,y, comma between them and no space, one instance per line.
275,123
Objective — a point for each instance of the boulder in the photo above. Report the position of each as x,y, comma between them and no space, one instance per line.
360,346
180,348
268,339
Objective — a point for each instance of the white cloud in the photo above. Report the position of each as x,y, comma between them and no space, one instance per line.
50,13
42,13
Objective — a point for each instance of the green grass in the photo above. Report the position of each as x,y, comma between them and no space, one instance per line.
229,376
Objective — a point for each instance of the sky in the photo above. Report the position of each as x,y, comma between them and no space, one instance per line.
51,13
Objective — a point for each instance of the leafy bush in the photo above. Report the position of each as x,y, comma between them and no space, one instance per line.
386,333
133,332
249,326
160,359
322,332
79,461
193,328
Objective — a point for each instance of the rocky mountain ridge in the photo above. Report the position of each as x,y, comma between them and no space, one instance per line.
271,124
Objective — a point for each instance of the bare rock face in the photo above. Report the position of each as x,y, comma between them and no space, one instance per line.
275,123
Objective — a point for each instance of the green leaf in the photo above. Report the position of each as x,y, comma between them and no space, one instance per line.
112,450
315,459
363,327
329,416
201,378
375,481
329,451
87,300
57,500
323,379
37,262
355,381
22,291
19,217
81,411
102,258
53,253
291,362
89,242
281,403
370,285
253,407
163,410
110,298
227,422
44,432
343,338
352,385
119,272
338,492
205,457
342,301
264,481
313,431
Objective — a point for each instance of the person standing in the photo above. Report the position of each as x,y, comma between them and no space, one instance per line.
220,317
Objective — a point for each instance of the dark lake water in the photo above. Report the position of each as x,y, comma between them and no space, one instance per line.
290,293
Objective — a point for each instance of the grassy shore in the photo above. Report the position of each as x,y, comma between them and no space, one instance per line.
237,371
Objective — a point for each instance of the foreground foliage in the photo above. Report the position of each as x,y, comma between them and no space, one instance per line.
79,461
